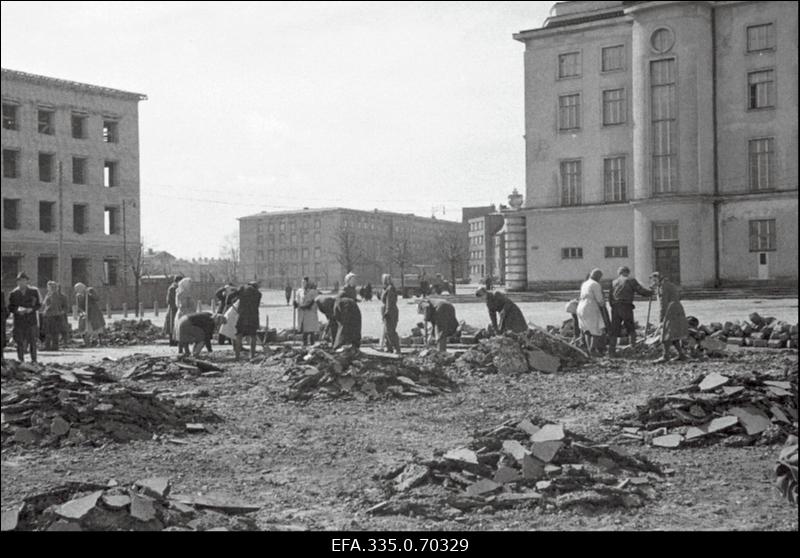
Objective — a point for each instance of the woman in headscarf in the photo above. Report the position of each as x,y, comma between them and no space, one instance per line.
347,314
249,322
185,302
674,326
442,315
306,305
590,311
172,309
53,311
197,329
390,314
89,309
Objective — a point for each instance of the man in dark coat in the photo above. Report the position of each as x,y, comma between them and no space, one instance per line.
225,296
4,317
287,290
172,310
325,304
23,304
390,314
347,315
442,315
249,320
197,329
621,295
511,318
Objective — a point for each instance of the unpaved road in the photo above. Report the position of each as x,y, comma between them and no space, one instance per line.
311,464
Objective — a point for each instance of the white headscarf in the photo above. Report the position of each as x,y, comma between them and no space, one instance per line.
184,286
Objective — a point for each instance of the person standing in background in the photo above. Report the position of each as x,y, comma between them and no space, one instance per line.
53,312
674,326
590,311
306,307
172,310
66,328
94,324
23,303
4,317
287,290
225,296
348,315
248,322
621,295
185,303
390,314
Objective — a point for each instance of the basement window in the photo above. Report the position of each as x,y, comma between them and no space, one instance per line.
616,251
79,218
10,116
110,178
10,214
571,253
46,219
110,131
111,220
46,121
79,125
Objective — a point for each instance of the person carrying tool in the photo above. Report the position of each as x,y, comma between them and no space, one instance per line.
442,315
225,296
347,315
325,304
674,327
511,318
623,290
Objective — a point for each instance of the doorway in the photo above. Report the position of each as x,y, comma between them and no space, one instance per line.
763,266
667,256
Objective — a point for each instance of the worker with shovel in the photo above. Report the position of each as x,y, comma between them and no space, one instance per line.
621,295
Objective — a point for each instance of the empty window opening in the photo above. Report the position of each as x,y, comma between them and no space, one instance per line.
80,126
10,116
79,166
110,271
79,218
46,167
45,270
110,178
11,267
110,131
46,121
10,163
46,216
111,220
80,270
10,214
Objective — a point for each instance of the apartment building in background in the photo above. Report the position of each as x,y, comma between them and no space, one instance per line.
662,136
70,183
324,244
483,260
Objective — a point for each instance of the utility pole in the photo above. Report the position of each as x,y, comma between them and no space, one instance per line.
125,255
61,274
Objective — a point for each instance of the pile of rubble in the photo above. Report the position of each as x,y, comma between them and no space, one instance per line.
146,505
52,406
132,332
742,410
141,366
515,353
363,374
753,332
522,463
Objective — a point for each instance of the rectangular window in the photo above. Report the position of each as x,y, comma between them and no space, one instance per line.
569,64
570,182
10,163
260,255
10,214
46,216
80,270
665,232
79,165
45,270
571,253
616,251
10,116
10,266
664,126
569,112
110,131
614,179
46,121
761,89
46,167
761,157
613,58
762,235
111,220
305,254
110,174
79,218
110,271
614,107
79,125
760,37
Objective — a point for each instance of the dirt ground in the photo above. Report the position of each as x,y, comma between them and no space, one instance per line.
311,465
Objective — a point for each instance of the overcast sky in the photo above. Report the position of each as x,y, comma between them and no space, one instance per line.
403,106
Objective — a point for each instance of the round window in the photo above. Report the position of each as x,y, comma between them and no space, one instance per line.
662,40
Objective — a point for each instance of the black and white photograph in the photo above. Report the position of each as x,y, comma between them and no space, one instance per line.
402,276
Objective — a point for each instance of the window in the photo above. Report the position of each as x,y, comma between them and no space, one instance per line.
283,226
613,58
110,131
79,214
761,89
79,125
305,254
10,214
762,235
293,238
46,219
46,121
761,157
614,179
10,116
46,167
271,227
10,267
614,107
80,270
110,174
317,237
45,270
616,251
569,64
665,232
10,163
110,271
664,126
569,112
79,165
760,37
317,252
571,253
111,221
570,182
260,255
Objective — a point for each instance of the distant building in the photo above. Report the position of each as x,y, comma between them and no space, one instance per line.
662,136
482,248
70,164
159,262
324,244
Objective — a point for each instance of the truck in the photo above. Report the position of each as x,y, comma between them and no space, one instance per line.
422,283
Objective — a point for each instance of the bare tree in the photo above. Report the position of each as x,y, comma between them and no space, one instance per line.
229,254
136,261
452,247
400,254
350,252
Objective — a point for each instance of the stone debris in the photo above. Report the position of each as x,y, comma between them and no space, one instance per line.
132,332
141,366
746,409
58,406
785,477
78,506
317,373
502,468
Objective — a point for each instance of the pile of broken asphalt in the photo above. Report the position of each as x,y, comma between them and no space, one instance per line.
58,406
141,366
521,464
145,505
739,410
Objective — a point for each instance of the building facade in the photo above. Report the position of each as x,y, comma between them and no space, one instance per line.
482,247
324,244
662,136
70,184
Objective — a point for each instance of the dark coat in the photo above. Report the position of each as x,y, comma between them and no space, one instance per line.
29,299
623,290
172,309
348,316
226,296
442,315
94,314
249,301
511,318
389,310
673,318
4,317
325,304
196,328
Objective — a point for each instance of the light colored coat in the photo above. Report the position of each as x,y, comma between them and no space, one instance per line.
590,316
184,300
307,319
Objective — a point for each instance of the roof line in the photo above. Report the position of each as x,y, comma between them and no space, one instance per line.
68,84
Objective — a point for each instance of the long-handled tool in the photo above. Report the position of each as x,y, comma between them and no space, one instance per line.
647,322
